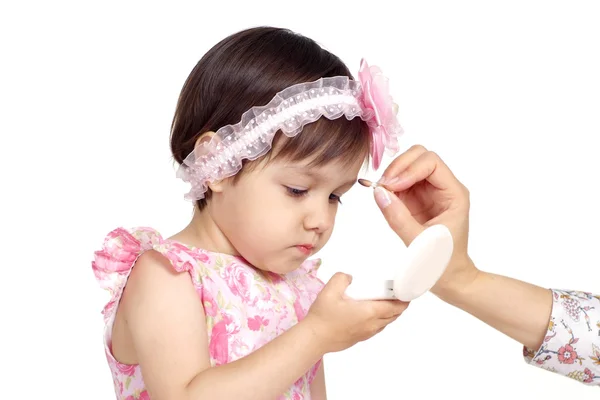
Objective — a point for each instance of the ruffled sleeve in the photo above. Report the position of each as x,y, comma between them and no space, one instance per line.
572,344
113,263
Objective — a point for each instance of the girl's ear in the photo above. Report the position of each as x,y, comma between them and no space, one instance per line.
217,186
203,140
200,149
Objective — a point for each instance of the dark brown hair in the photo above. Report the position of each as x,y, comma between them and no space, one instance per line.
247,69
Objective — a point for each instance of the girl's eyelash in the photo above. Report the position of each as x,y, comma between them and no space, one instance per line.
302,192
336,198
296,192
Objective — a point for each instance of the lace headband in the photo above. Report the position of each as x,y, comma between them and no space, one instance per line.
291,109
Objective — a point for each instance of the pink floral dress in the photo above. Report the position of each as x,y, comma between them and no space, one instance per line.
572,344
244,309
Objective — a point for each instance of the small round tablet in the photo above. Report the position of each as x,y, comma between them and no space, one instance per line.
425,261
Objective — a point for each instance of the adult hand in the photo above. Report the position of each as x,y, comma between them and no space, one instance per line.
422,191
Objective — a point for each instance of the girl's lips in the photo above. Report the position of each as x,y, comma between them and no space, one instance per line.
305,248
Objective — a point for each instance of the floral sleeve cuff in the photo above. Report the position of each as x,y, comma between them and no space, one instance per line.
572,344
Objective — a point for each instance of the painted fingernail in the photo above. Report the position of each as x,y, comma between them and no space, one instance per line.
382,197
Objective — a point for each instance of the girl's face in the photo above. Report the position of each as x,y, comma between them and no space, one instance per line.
279,214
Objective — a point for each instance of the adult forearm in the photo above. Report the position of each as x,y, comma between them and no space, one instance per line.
264,374
518,309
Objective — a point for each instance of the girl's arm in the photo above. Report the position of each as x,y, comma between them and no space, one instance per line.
167,323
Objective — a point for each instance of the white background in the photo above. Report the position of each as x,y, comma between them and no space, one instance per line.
508,94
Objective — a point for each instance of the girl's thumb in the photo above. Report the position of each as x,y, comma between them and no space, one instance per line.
397,215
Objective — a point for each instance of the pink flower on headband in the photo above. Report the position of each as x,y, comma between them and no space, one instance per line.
384,125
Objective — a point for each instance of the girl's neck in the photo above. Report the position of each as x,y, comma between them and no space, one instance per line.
202,232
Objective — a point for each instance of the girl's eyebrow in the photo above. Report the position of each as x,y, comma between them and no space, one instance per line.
310,172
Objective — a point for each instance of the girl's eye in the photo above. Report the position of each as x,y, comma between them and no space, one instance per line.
296,192
302,192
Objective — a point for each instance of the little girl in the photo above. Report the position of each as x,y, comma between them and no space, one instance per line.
270,131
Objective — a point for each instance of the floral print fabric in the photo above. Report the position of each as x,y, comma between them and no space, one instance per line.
245,308
572,344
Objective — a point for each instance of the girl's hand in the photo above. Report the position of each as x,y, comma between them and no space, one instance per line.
422,191
339,322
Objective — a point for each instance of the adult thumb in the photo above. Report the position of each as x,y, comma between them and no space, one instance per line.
397,215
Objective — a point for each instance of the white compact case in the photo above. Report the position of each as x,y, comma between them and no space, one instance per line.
421,266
